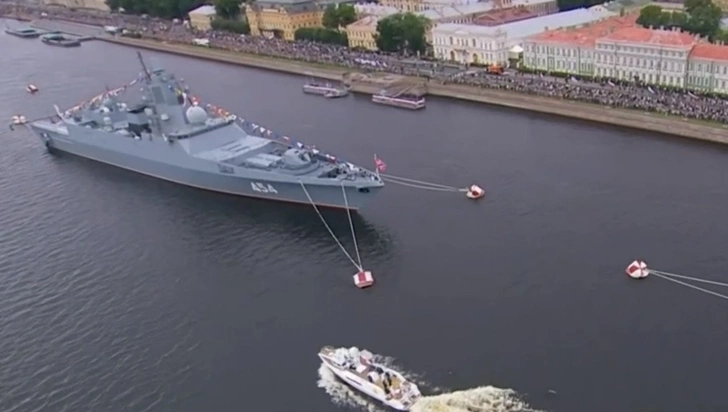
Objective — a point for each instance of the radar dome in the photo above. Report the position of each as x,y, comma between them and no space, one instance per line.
196,114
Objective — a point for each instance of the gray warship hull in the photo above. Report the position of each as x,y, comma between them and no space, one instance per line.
171,135
157,158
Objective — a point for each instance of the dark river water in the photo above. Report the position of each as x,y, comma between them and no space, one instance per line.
122,293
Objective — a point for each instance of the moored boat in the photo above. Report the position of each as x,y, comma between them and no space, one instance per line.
359,370
57,39
325,89
403,101
24,33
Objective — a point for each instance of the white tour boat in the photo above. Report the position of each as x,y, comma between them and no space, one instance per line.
359,370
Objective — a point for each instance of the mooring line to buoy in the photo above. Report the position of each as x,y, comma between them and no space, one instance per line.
331,232
679,282
351,225
673,275
420,184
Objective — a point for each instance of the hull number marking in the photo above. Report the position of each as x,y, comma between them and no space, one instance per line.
262,187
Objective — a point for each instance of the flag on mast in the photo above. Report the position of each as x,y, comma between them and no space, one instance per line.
381,166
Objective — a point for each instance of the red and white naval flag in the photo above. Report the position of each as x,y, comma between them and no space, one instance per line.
381,166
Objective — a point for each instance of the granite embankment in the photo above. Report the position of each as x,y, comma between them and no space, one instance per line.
619,117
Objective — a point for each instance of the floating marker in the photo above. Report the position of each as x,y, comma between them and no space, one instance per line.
363,279
637,270
18,120
31,88
475,192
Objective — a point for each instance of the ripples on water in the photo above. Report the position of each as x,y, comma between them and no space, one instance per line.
119,292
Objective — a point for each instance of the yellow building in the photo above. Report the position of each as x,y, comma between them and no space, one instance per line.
361,33
79,4
201,17
281,18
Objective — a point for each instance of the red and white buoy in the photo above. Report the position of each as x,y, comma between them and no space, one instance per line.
31,89
475,192
637,270
363,279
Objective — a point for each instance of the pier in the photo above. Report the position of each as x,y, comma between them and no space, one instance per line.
78,32
406,94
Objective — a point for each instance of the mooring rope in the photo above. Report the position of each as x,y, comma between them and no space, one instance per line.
419,184
331,232
351,226
673,275
667,277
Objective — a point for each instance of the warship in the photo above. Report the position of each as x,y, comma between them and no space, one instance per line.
168,135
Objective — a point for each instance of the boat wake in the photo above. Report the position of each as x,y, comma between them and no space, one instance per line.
481,399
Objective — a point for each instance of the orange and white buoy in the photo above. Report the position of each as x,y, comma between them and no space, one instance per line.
637,270
475,192
363,279
31,88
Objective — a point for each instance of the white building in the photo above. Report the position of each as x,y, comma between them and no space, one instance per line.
466,14
373,9
570,50
708,68
618,49
479,44
653,56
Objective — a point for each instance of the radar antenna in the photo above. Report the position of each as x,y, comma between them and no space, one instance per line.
144,66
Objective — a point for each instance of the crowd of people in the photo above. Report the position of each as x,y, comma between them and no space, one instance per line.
624,94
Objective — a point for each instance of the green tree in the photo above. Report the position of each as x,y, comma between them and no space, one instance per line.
690,5
679,19
168,9
336,16
566,5
330,19
227,9
347,14
232,26
650,16
704,19
402,32
321,35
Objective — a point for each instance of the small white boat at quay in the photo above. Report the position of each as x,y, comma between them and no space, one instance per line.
359,370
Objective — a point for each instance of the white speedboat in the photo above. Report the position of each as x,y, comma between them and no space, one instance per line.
359,370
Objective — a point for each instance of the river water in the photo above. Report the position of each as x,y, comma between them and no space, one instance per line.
122,293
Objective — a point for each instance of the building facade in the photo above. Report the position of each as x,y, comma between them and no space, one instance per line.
281,18
570,50
618,49
652,56
708,68
473,44
79,4
414,6
201,17
361,33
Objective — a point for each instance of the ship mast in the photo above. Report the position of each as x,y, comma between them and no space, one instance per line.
144,66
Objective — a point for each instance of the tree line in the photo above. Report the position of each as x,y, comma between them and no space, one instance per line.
700,17
167,9
402,32
334,21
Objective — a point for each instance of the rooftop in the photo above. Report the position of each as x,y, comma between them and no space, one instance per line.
374,10
496,17
586,35
530,27
648,36
366,22
205,10
474,8
710,52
